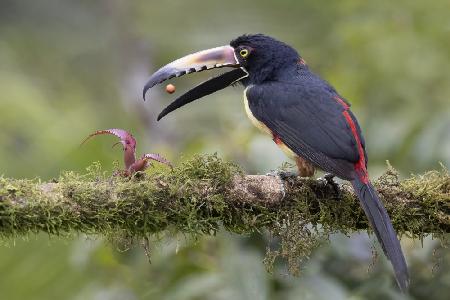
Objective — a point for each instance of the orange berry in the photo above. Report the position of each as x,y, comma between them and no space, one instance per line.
170,88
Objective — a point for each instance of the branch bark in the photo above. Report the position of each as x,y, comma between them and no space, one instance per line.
205,193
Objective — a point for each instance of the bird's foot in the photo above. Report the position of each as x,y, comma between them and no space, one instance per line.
327,180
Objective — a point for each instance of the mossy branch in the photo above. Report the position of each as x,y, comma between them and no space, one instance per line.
204,193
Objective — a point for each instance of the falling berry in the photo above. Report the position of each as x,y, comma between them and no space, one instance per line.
170,88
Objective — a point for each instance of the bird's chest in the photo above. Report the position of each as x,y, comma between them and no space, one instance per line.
258,124
261,126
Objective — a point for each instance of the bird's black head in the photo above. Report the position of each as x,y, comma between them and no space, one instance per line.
256,58
263,57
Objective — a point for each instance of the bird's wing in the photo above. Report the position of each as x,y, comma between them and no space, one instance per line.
310,121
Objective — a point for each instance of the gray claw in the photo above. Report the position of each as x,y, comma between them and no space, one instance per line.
327,180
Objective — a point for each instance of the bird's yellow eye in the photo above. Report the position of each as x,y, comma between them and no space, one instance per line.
244,53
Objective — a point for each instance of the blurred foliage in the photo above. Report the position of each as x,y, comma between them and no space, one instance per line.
68,68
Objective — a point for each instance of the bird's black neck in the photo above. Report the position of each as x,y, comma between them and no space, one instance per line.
280,73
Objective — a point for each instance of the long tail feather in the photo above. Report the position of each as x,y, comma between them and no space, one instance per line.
382,226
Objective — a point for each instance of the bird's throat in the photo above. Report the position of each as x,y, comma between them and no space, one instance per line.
258,124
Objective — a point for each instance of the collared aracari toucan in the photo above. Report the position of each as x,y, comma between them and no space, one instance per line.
302,113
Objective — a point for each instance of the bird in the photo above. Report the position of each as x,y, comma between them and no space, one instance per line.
303,114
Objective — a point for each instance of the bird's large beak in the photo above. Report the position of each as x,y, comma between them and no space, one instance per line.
204,60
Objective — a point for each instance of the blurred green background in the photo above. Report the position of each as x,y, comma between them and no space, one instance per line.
68,68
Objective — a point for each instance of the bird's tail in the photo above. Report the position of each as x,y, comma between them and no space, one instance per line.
382,226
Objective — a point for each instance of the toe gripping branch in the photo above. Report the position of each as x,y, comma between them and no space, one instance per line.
129,149
328,180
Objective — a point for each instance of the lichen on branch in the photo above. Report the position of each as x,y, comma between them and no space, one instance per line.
205,193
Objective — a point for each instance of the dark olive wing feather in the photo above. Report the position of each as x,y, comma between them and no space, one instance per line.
309,121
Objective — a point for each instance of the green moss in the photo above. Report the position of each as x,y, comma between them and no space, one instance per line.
193,199
189,199
432,207
417,206
298,237
297,241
